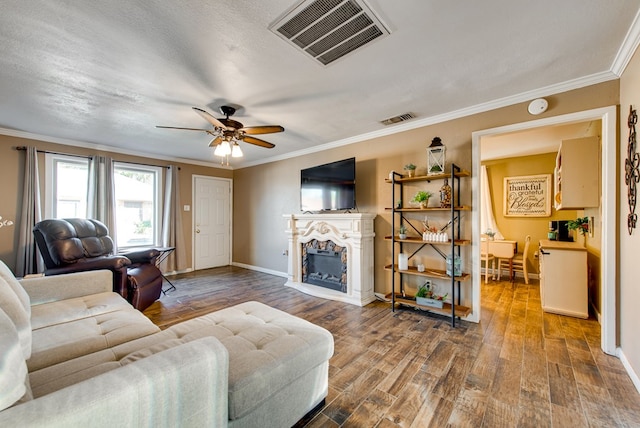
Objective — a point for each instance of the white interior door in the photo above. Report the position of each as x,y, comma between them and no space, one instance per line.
211,222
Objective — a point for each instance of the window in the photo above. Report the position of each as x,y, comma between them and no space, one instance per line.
137,194
137,204
66,186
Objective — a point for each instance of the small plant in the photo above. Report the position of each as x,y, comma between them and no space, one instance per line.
422,196
402,230
581,224
426,292
410,167
436,168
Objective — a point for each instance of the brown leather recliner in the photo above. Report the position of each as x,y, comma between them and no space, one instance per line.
76,244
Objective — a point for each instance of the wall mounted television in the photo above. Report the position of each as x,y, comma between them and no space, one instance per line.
329,187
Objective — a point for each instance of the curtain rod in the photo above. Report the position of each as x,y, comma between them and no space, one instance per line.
22,148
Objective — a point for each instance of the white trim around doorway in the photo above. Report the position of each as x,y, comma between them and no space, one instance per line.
608,275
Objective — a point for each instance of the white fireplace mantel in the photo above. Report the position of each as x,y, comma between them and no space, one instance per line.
354,231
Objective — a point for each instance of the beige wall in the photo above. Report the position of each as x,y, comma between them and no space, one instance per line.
263,193
629,292
11,172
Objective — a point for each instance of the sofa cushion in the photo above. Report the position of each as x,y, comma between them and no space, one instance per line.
68,340
12,307
13,369
63,311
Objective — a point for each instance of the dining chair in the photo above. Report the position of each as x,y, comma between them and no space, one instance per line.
487,258
519,263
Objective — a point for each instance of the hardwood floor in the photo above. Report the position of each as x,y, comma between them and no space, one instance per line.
518,367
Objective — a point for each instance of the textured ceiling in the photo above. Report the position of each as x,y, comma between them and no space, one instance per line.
105,73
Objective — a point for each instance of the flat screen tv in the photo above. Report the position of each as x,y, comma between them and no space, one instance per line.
329,187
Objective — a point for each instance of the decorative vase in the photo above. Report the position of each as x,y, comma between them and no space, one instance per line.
402,235
403,261
445,195
411,172
424,204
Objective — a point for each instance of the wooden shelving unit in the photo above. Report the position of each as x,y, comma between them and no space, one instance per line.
398,295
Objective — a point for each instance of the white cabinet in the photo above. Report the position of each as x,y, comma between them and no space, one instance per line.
563,278
576,174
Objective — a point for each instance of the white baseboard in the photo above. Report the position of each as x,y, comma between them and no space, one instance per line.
632,374
176,272
260,269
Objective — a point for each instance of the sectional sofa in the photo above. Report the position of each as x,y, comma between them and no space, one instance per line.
74,353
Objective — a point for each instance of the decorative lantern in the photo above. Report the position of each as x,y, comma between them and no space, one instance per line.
435,157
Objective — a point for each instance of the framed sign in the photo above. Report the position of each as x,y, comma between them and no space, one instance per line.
527,196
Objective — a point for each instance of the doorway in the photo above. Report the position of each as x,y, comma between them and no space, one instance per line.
608,118
211,222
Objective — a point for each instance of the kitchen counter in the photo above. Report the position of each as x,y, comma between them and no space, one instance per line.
561,245
563,278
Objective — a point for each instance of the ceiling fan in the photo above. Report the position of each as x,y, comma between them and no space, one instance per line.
227,132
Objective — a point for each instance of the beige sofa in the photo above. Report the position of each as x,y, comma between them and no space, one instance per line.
73,353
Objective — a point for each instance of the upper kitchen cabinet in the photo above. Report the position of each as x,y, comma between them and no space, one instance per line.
577,174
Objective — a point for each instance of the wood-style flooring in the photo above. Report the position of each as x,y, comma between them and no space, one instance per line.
519,367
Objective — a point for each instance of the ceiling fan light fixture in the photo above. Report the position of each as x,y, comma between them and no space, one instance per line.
236,151
225,148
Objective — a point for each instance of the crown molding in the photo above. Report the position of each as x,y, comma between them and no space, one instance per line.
628,47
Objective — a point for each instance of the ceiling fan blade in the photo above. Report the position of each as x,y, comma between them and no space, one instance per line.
187,129
215,141
257,142
255,130
207,116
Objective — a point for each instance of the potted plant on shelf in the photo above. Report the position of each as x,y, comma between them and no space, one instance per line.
426,296
402,232
422,197
411,169
581,225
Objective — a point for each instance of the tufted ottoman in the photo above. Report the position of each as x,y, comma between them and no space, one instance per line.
278,363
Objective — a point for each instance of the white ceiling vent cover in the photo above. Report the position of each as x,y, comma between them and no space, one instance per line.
329,29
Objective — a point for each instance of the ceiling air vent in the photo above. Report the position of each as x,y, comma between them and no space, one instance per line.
327,30
397,119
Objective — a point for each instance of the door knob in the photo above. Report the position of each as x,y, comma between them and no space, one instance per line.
197,230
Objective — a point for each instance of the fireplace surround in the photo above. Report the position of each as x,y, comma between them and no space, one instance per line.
352,232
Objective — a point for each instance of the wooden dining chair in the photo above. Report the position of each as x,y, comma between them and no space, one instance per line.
519,262
487,258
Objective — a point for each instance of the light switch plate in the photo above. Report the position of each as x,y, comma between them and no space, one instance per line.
187,208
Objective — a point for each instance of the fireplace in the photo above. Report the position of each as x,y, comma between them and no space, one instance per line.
331,256
325,264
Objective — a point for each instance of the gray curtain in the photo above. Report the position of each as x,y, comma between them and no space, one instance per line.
101,201
172,232
28,258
